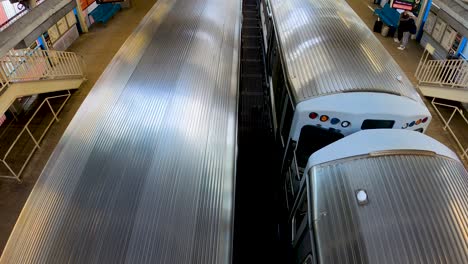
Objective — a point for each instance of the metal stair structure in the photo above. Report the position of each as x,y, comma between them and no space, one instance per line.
28,72
447,80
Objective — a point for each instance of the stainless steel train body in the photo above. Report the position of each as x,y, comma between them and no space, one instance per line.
145,172
381,196
331,77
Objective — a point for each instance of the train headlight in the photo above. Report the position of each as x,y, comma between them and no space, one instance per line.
324,118
345,124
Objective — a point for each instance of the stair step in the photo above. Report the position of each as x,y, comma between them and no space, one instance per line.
445,92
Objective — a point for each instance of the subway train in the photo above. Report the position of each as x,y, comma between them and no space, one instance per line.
348,118
330,77
145,172
381,196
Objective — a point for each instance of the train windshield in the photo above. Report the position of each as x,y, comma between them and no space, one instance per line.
311,139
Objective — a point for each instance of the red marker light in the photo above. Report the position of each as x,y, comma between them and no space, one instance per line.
425,119
313,115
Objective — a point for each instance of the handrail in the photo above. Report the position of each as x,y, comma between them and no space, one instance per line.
449,73
17,16
30,65
3,81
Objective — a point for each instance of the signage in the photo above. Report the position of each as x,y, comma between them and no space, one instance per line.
71,19
62,26
403,4
439,30
85,3
53,34
430,22
448,38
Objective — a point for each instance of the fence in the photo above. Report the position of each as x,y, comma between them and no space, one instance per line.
449,73
27,65
16,175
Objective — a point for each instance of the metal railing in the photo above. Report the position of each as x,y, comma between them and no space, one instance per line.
14,18
452,74
30,65
448,73
3,81
16,175
463,149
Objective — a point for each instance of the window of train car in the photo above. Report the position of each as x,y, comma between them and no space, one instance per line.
375,124
286,121
311,139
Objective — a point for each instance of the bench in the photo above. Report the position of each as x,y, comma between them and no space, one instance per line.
389,16
104,12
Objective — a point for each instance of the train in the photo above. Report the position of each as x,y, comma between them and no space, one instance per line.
355,160
381,196
330,77
145,172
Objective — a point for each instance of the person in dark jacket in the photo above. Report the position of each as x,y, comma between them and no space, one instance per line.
406,27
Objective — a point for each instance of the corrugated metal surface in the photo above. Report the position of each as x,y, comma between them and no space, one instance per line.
417,210
145,171
328,49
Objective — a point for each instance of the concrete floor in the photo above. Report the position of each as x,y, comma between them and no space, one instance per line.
97,47
100,45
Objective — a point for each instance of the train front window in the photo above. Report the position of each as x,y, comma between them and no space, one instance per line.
311,139
374,124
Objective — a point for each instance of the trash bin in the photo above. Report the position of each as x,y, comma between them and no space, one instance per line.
385,30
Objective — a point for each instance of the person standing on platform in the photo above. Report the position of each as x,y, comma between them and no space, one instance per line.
406,27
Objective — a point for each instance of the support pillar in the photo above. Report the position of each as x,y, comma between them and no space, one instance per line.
81,17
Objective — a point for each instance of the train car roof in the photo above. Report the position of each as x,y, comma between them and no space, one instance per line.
412,207
375,141
327,49
145,171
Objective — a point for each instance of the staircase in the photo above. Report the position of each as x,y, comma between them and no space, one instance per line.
444,79
27,72
448,80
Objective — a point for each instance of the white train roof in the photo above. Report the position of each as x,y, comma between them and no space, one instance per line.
378,140
327,49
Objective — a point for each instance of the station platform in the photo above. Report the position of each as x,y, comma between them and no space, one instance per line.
98,48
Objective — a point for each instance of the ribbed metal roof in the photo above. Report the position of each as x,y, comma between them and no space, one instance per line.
145,171
328,49
417,210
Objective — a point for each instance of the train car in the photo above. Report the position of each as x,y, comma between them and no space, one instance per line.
381,196
145,171
330,77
